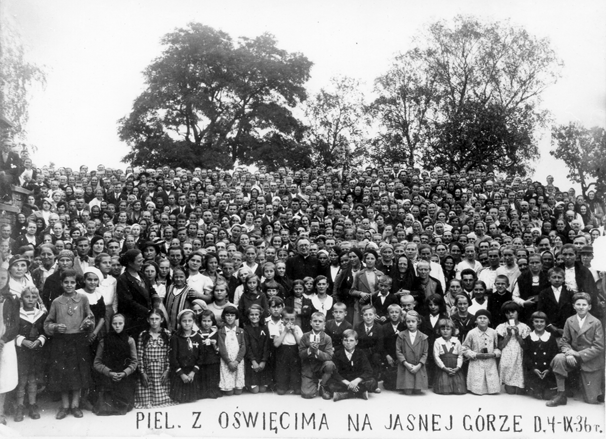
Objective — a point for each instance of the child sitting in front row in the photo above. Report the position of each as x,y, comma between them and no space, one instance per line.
481,347
412,350
316,352
582,347
448,356
287,370
29,344
338,325
352,376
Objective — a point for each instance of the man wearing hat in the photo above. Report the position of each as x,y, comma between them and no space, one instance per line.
586,254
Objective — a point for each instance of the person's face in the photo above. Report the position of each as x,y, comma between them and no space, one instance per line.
446,332
29,300
317,323
179,279
69,285
582,307
187,322
539,325
350,343
500,285
433,308
150,272
569,257
370,260
91,282
339,314
254,316
423,271
482,322
412,323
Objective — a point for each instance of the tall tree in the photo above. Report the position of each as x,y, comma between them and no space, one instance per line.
211,101
337,123
583,151
18,77
474,89
404,110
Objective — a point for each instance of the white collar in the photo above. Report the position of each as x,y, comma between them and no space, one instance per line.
322,306
535,337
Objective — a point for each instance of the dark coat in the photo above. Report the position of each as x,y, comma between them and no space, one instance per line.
135,301
557,312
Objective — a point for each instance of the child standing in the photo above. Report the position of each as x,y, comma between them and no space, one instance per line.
370,340
539,350
391,330
436,311
210,359
384,298
448,355
185,356
498,298
220,302
116,360
29,352
153,387
256,336
481,347
69,321
582,347
511,342
338,325
232,348
411,351
300,305
288,364
178,297
316,351
252,295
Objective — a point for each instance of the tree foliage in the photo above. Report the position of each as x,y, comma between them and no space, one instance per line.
18,77
211,101
337,123
466,97
583,151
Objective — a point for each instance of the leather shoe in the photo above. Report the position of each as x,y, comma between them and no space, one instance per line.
62,414
34,411
325,393
19,413
363,395
559,399
338,396
77,412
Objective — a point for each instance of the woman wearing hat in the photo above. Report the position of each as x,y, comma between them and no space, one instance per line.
18,277
136,296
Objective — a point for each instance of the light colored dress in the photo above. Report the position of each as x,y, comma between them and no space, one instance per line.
231,380
483,375
511,366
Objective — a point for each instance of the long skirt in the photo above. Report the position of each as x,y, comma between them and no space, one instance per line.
209,381
9,376
70,363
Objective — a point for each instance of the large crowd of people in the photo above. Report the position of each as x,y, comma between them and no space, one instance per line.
151,287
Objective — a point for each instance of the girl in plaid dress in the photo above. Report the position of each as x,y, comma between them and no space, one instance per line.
153,385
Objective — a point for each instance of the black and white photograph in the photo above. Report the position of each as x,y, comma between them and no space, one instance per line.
327,219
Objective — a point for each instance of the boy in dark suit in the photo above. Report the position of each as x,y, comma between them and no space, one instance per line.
582,347
383,299
338,325
555,302
352,376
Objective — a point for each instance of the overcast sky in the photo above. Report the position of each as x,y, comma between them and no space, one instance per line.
94,52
